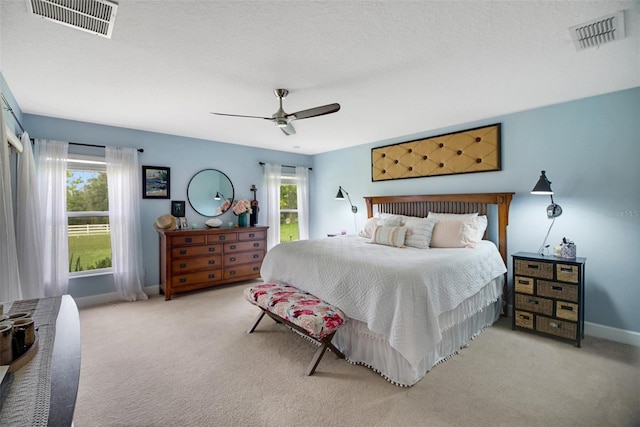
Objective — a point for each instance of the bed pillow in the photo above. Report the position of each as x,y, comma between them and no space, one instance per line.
369,225
389,236
419,232
481,221
455,234
392,218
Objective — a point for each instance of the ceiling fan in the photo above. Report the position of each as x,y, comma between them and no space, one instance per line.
283,119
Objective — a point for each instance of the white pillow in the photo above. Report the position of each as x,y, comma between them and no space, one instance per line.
455,234
481,221
369,226
391,217
419,232
390,236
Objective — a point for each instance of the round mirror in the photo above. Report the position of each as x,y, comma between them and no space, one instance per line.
210,192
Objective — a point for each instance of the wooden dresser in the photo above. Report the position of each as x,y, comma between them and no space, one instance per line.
548,295
197,259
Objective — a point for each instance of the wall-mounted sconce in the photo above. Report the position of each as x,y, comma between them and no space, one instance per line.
543,187
340,196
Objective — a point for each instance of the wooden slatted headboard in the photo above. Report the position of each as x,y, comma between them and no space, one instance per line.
420,206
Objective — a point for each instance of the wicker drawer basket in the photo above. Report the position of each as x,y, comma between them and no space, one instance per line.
558,290
524,319
534,304
524,285
543,270
567,310
567,273
556,327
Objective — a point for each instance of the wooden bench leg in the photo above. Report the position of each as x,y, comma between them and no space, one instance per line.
255,324
326,344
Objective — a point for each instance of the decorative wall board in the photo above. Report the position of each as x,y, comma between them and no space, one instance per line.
473,150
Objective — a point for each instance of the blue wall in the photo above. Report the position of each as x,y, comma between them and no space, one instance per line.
591,152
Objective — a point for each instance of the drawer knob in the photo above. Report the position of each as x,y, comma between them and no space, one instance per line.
183,252
532,301
183,265
255,268
566,307
212,261
232,259
232,272
183,280
533,266
522,316
252,235
256,245
233,246
557,288
256,256
222,237
212,249
555,325
188,240
566,269
523,282
212,276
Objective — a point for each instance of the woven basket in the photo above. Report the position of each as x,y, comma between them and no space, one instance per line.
543,270
556,327
561,291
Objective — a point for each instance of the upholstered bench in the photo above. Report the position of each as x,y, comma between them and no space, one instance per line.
301,311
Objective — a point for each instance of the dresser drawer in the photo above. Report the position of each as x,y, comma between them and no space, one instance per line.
243,258
252,235
556,327
524,319
197,277
543,270
193,264
242,270
243,246
222,237
567,310
557,290
534,304
193,239
524,285
567,273
189,251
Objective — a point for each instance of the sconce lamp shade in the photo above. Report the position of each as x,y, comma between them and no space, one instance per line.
543,186
340,196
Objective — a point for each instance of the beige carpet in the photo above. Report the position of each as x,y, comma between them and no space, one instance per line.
189,362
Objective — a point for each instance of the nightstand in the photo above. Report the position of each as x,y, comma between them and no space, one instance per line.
548,295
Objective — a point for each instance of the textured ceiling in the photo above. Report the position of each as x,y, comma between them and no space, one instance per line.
397,68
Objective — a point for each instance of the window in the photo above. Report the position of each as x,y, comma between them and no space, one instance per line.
289,229
88,215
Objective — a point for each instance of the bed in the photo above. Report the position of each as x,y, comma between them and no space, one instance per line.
409,307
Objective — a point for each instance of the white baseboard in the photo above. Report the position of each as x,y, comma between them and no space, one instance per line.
605,332
612,334
93,300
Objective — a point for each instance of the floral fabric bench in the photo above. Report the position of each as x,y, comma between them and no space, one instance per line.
303,312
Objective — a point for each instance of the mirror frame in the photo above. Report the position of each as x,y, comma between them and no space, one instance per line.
204,210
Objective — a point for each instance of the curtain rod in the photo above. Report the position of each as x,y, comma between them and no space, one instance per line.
9,109
286,166
140,150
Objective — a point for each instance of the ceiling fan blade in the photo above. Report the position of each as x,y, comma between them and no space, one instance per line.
240,115
314,112
288,129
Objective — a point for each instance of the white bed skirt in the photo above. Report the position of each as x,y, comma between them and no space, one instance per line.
362,346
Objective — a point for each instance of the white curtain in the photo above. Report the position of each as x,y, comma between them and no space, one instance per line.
124,221
51,162
10,289
302,180
28,225
272,179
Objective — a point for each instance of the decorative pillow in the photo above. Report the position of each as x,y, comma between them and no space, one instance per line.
369,226
450,216
394,221
419,232
455,234
392,217
390,236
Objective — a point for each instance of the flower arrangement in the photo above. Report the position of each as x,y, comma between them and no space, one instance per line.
241,206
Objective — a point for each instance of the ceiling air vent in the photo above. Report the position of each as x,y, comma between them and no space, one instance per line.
92,16
599,31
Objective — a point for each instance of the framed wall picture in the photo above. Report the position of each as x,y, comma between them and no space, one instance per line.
177,208
156,182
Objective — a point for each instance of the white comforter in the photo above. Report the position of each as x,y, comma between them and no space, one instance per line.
398,292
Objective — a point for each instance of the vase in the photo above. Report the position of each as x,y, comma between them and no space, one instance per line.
243,220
